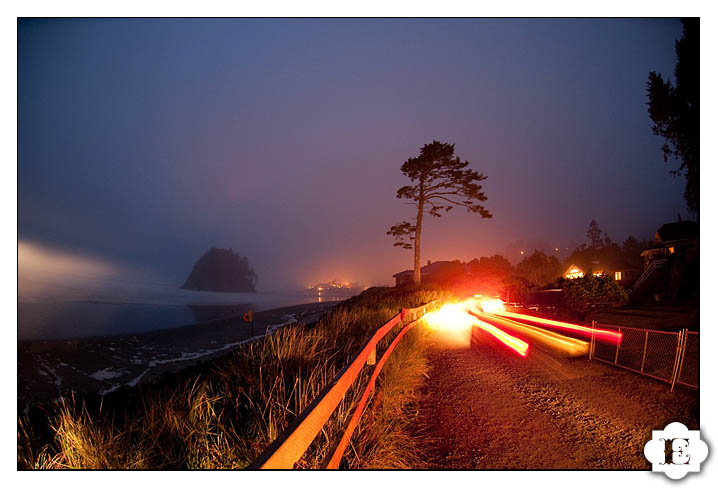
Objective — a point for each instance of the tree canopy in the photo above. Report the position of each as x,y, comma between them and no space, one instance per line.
440,181
539,269
488,275
675,111
594,234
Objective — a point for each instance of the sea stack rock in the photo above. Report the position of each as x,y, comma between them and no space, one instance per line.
221,270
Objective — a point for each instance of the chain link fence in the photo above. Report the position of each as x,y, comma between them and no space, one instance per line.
688,371
663,355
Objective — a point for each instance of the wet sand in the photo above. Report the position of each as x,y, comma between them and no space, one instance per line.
53,368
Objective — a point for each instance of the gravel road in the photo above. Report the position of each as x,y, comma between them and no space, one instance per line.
484,407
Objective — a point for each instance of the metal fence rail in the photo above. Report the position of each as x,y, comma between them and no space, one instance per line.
291,444
664,355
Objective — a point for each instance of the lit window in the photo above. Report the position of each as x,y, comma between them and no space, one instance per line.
671,250
617,275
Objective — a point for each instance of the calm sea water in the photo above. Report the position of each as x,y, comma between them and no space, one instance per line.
113,307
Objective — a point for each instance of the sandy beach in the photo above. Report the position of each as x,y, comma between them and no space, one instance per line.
49,369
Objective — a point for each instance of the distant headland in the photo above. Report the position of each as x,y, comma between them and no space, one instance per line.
222,270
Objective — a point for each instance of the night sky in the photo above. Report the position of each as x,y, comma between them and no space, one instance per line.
142,143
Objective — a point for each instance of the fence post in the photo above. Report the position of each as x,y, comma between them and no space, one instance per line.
683,355
645,347
371,360
676,361
618,345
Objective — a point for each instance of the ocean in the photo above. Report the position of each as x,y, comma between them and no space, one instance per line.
107,307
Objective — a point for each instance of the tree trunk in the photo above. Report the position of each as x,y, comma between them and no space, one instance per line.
417,243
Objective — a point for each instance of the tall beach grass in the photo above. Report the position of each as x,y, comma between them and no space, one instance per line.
224,415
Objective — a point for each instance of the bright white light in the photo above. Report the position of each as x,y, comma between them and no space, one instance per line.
492,305
451,317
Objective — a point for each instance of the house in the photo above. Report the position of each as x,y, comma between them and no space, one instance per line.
574,271
671,263
621,273
672,238
431,272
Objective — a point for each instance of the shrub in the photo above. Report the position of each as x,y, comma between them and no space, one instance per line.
587,294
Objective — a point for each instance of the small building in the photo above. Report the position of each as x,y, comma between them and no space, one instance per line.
431,272
574,271
620,273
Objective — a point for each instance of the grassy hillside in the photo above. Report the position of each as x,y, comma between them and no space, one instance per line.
224,413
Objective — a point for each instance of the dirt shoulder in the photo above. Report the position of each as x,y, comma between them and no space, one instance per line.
485,407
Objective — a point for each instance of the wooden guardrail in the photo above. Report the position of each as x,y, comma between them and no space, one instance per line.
289,446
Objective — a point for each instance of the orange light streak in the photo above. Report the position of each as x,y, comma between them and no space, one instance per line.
600,334
519,346
556,341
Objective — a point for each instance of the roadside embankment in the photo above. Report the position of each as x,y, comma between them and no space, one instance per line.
223,413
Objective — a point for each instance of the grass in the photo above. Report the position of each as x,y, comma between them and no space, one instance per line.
225,414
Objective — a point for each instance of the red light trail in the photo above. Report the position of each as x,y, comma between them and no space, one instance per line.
555,341
465,315
600,334
456,317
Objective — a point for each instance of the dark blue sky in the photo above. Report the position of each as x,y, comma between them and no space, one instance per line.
144,142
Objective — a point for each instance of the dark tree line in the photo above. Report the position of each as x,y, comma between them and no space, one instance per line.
495,275
674,108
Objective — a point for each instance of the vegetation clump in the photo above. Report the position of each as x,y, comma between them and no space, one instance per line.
591,293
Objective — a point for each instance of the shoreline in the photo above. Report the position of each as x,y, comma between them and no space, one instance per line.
76,320
49,369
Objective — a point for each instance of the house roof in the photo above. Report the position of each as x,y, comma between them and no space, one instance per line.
598,267
434,266
426,269
675,231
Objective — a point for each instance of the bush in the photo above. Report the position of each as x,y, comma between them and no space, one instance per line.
587,294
